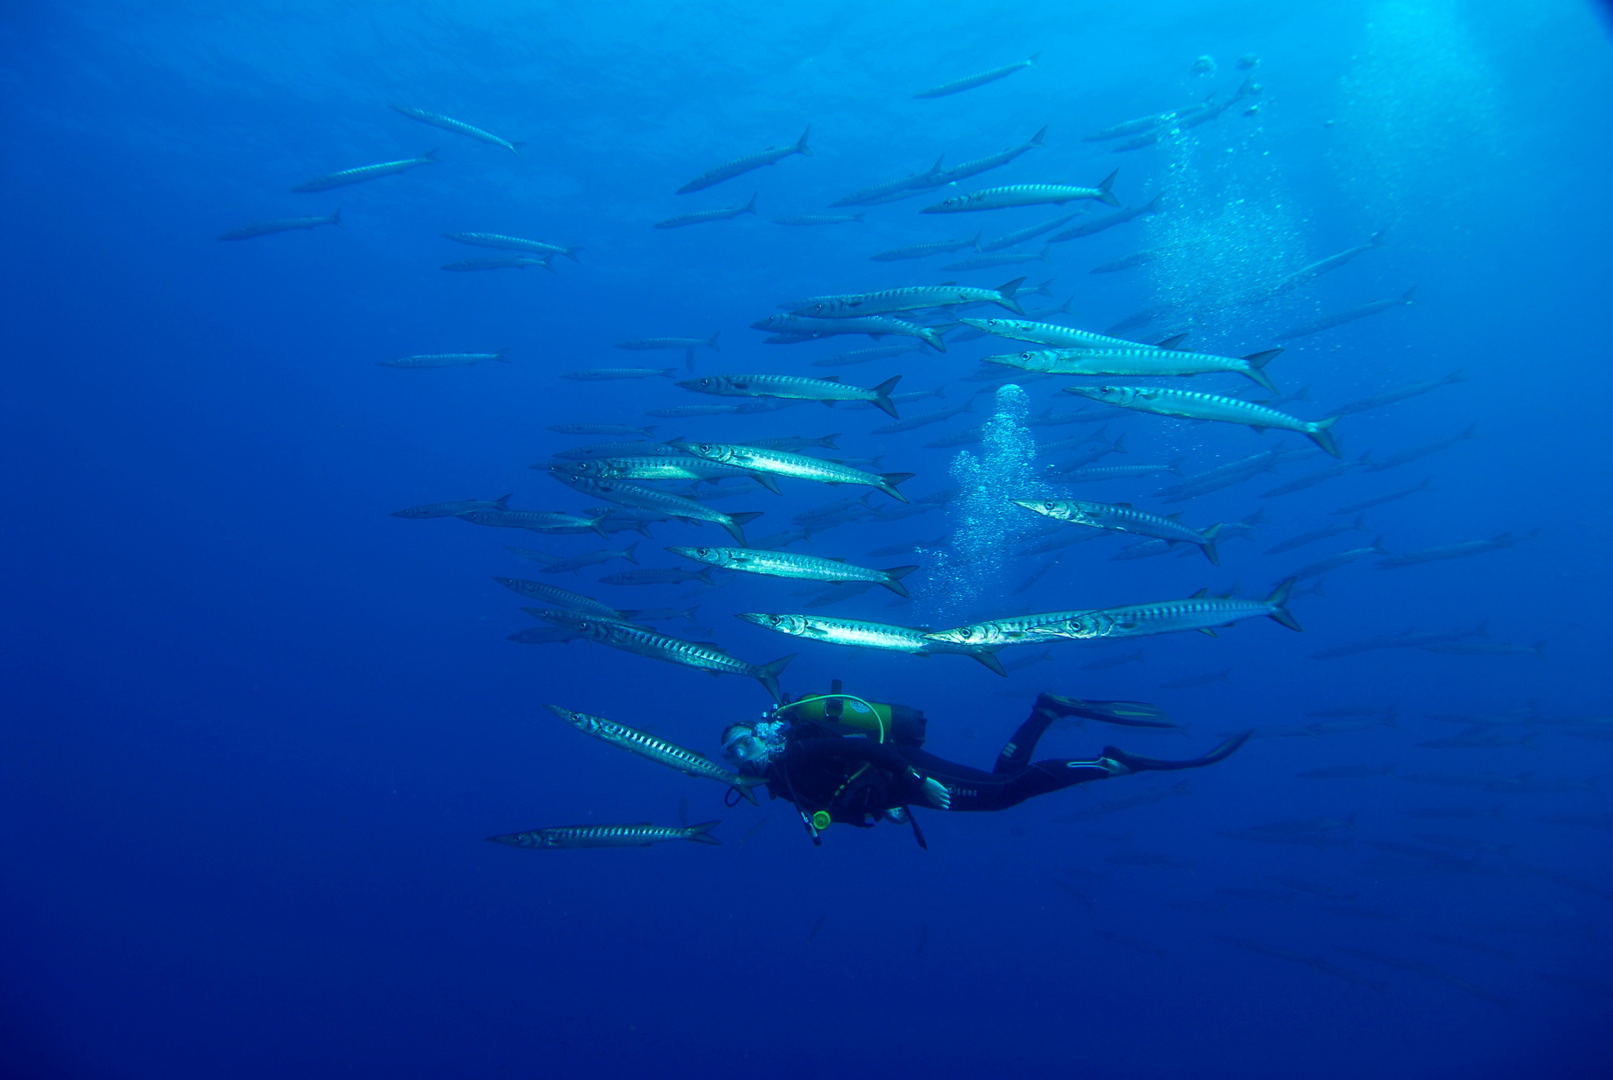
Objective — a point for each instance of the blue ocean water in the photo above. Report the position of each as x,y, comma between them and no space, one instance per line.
255,729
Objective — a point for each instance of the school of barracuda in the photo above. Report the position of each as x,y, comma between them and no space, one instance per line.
915,325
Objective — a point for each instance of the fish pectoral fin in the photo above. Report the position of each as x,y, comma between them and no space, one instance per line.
1257,430
1207,630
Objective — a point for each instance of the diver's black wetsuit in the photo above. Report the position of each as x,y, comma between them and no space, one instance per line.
857,779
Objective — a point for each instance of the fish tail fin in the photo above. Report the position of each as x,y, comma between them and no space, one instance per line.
701,833
705,576
503,501
1005,295
750,207
975,243
745,786
502,356
1036,140
827,442
430,155
571,253
1208,543
1376,239
1278,599
1409,295
1321,436
1106,196
712,341
735,525
1035,56
891,479
801,146
628,554
989,658
934,339
1257,368
336,217
768,674
882,397
895,575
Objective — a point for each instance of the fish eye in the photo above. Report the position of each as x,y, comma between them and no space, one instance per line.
1050,504
702,551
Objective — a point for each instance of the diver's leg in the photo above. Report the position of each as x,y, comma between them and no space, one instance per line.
1135,763
1017,753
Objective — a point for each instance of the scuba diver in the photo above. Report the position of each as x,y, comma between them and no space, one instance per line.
839,758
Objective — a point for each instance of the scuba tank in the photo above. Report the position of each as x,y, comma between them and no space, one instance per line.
846,714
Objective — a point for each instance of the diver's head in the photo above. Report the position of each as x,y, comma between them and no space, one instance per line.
750,746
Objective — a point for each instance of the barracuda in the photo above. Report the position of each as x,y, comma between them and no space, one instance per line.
1058,337
365,172
1019,630
919,251
511,243
448,123
867,635
606,836
619,491
658,750
1138,360
802,328
1123,517
1192,405
442,360
1117,472
645,642
800,466
796,387
912,298
782,564
1199,612
635,449
266,228
499,262
698,217
452,509
542,521
555,596
1001,198
740,166
679,467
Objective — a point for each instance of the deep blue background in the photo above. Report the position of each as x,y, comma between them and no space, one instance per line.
254,728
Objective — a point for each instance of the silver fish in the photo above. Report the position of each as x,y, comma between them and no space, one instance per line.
795,387
790,329
1123,517
499,262
957,86
912,298
919,251
800,466
266,228
1013,239
1058,337
448,123
866,635
636,495
1001,198
698,217
1199,612
607,836
1138,360
818,219
365,172
452,509
1464,550
1008,258
656,749
606,374
800,567
554,596
671,343
535,520
511,243
601,429
1362,312
642,641
740,166
1192,405
442,360
679,467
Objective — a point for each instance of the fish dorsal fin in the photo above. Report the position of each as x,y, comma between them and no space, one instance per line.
1199,594
1128,506
1173,517
944,284
831,378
